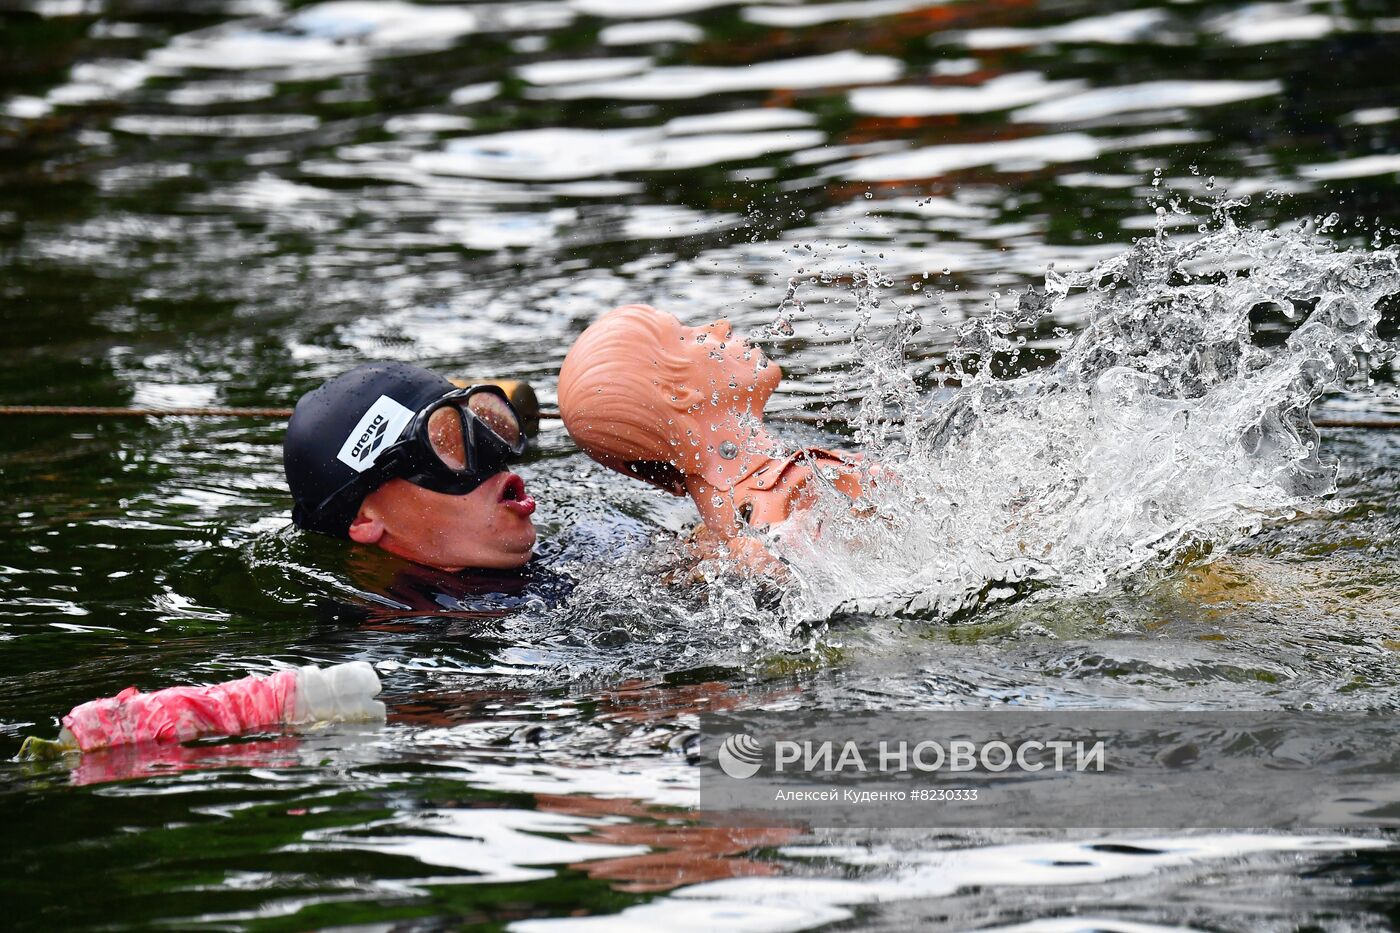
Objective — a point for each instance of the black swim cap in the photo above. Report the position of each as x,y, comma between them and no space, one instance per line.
338,431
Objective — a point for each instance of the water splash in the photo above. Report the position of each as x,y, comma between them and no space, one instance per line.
1176,422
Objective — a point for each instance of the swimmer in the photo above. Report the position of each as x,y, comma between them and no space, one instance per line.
397,457
682,408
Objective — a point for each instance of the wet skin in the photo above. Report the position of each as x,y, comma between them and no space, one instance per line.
489,527
728,364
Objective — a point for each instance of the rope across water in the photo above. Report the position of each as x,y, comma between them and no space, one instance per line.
97,411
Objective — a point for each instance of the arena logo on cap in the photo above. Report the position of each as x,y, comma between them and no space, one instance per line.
379,428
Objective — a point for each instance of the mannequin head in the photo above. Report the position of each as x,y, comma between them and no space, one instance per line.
644,394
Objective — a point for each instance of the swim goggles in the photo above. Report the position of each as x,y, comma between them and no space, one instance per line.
452,446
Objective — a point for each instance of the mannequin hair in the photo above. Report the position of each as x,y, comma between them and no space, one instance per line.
620,413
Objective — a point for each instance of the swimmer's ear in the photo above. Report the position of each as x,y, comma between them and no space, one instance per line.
366,528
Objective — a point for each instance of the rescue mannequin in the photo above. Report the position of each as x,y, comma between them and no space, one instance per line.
682,408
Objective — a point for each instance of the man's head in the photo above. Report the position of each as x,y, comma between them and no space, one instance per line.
396,456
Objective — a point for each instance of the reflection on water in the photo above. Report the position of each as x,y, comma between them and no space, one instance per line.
225,202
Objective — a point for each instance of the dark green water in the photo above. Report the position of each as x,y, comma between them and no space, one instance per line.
228,202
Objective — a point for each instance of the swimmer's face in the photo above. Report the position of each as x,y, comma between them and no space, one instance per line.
489,527
728,368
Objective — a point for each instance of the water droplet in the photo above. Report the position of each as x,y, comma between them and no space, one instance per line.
729,450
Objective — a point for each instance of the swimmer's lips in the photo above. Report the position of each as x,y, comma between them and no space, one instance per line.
515,498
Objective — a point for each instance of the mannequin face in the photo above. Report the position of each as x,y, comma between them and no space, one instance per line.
488,528
728,371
